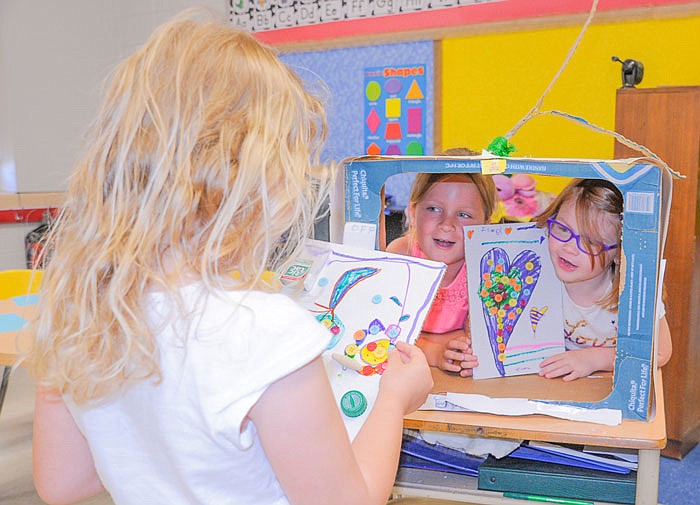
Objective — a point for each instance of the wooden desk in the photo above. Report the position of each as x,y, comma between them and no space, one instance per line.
646,437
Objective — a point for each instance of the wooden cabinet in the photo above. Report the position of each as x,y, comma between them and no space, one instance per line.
667,121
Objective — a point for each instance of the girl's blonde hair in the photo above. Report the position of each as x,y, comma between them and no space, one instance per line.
205,156
591,198
484,184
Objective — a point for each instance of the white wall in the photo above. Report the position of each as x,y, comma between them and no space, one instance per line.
53,59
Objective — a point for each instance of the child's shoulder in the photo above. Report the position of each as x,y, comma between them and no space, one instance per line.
401,245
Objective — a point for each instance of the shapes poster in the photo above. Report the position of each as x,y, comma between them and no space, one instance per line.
515,301
368,300
395,110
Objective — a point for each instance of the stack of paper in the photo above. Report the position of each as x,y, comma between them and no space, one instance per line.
551,453
417,453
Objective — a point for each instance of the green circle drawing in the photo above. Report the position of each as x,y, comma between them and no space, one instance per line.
373,91
353,403
414,148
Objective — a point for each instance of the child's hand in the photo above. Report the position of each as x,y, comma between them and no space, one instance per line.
407,377
578,363
458,357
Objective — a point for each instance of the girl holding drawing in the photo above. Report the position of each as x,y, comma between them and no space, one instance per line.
440,205
160,377
588,264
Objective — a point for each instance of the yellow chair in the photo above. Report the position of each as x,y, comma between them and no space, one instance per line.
19,282
16,283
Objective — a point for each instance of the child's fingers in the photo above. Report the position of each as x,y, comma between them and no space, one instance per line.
470,361
449,365
571,376
410,353
552,360
407,376
398,358
556,369
454,361
458,345
400,352
453,355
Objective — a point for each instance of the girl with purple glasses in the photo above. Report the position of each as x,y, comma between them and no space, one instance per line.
585,230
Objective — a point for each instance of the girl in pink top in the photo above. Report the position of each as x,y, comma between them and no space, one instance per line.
440,205
451,306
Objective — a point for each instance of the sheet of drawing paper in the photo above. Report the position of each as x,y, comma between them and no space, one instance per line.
369,300
515,304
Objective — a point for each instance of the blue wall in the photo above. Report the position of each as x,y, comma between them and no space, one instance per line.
342,70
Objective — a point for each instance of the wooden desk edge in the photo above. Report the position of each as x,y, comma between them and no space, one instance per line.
7,359
628,434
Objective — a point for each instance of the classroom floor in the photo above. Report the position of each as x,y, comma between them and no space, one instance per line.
679,482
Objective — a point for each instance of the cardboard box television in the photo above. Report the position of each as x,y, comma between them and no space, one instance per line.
646,189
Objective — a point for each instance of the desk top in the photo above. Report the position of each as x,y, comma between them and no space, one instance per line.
629,434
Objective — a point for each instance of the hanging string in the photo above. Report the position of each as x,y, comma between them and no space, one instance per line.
572,50
619,137
501,146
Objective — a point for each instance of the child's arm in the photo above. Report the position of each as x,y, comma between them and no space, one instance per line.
64,471
583,362
432,346
663,353
308,446
459,357
578,363
459,354
449,351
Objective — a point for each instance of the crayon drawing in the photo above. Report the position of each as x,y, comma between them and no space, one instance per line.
368,300
509,276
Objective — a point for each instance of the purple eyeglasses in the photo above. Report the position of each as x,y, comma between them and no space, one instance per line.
563,233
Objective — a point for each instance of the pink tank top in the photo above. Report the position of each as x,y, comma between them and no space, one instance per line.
450,306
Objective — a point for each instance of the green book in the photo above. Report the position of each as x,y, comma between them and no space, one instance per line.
552,479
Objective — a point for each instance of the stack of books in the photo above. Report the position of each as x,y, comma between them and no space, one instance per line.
549,470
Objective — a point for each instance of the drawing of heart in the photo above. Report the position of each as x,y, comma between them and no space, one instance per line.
505,290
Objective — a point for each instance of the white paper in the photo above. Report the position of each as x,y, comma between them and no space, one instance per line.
369,300
514,299
630,456
581,454
519,407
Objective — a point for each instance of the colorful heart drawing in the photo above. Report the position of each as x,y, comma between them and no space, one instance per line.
505,290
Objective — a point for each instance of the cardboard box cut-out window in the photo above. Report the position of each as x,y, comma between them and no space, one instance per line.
646,189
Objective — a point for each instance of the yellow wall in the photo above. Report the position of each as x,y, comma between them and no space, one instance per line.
489,82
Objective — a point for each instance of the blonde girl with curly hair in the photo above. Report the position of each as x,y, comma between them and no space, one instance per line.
162,378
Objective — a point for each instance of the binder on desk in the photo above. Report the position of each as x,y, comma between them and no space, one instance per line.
417,453
556,480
